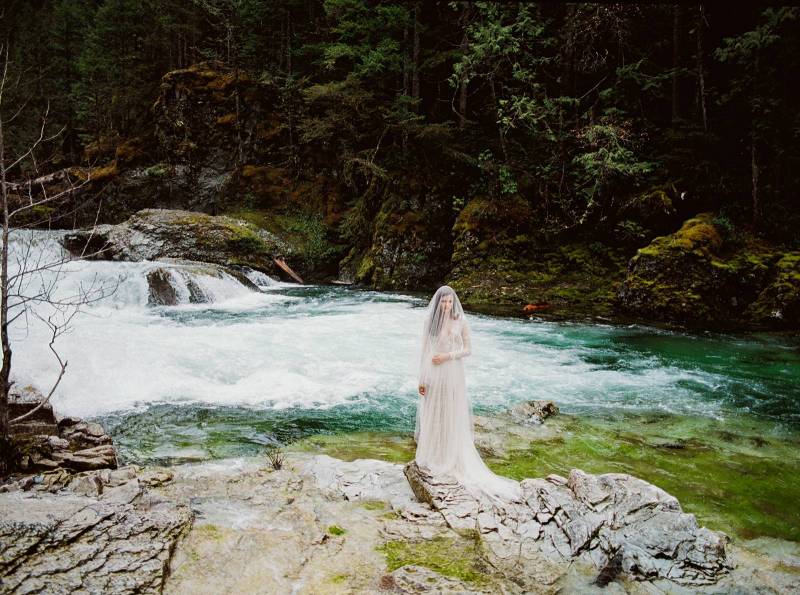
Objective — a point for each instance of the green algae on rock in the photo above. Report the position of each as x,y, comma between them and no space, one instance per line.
459,558
732,475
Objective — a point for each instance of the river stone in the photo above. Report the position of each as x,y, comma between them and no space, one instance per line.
589,518
154,234
164,292
118,542
534,412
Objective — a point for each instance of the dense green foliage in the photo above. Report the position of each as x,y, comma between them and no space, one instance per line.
575,108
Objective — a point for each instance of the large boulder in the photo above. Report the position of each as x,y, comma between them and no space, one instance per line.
697,275
213,117
601,520
183,281
407,248
154,234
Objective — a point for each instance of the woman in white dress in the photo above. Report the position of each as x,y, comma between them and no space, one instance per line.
444,424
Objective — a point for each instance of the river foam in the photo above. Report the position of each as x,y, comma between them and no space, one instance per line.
313,347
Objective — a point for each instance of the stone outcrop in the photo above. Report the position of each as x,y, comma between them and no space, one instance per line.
323,525
699,276
534,412
179,283
597,519
46,442
96,532
406,247
153,234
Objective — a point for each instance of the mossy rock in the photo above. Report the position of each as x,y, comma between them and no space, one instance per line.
779,301
408,249
150,234
574,278
696,276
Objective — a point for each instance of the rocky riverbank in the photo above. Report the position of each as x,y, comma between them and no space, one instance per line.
322,525
318,524
693,278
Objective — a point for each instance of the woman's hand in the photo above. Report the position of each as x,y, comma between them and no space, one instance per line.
440,357
422,389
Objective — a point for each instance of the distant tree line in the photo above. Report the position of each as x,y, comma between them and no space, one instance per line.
572,106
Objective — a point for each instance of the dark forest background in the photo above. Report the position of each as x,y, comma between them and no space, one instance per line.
571,105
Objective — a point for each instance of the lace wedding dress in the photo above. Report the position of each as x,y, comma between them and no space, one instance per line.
444,422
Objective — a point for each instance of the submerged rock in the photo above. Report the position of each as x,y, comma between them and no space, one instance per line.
181,283
154,234
534,412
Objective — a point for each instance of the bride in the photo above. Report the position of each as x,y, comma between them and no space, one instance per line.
443,431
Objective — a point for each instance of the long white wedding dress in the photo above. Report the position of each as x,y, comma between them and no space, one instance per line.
444,422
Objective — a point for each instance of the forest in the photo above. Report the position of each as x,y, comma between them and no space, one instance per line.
406,143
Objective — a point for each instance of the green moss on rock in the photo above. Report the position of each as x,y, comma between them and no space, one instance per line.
456,558
696,276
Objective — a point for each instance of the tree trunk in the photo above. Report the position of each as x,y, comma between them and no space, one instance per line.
701,78
754,175
754,169
5,372
678,20
405,60
288,42
500,134
415,56
462,89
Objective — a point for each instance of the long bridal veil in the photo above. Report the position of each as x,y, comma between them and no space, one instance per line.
444,421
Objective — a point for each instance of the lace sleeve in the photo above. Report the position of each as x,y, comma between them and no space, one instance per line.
466,337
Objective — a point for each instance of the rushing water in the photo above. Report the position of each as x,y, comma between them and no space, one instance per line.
226,378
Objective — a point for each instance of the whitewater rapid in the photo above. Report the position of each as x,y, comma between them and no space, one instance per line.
316,347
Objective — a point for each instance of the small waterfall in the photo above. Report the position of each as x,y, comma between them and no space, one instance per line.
124,284
261,279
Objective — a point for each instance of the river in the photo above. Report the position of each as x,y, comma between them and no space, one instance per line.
712,418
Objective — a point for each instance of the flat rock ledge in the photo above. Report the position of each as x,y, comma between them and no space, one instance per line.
92,532
614,521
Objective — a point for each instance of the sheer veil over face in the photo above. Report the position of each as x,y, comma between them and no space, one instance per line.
443,310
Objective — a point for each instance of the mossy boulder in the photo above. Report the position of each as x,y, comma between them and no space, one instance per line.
779,301
316,248
653,209
699,276
213,116
409,248
500,265
154,234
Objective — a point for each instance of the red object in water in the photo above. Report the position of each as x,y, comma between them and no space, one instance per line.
534,307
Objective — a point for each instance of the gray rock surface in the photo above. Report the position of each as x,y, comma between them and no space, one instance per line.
323,525
104,533
591,518
152,234
47,442
534,412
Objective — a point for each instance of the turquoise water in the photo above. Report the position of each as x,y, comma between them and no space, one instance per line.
713,418
349,380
